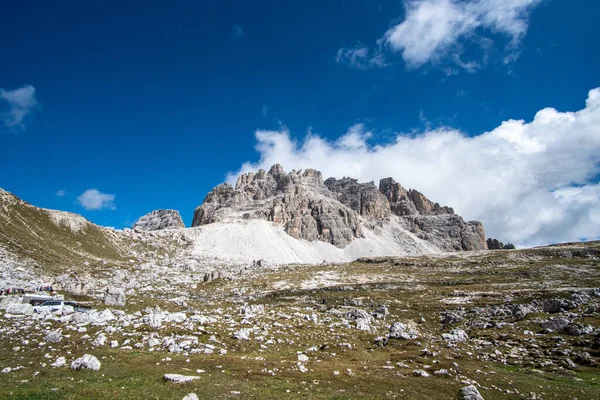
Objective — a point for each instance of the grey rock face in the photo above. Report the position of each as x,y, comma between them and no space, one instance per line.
159,219
469,393
432,222
363,198
299,201
114,297
336,210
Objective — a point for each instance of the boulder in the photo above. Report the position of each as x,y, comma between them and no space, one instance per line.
60,362
555,325
88,361
53,337
114,296
553,306
455,335
20,309
191,396
469,393
242,334
398,330
100,340
8,301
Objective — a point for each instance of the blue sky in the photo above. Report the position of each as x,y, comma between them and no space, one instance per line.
153,104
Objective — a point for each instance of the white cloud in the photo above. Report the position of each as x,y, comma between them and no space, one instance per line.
530,183
60,193
92,199
21,103
360,57
434,29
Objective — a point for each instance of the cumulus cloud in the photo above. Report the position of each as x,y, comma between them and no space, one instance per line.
360,57
433,29
438,31
92,199
21,103
61,193
530,183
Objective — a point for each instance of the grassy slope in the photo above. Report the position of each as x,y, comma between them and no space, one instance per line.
29,233
411,288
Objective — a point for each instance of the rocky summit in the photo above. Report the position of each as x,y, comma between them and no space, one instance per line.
336,211
159,219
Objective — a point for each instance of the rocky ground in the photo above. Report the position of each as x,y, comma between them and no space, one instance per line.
519,324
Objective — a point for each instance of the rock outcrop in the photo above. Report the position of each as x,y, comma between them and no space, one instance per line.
299,201
158,220
336,210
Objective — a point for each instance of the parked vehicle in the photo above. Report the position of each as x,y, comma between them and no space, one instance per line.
57,305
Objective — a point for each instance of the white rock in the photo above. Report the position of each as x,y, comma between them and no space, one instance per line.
420,372
302,357
53,337
100,340
191,396
456,335
60,362
177,378
20,309
114,297
242,334
469,393
88,361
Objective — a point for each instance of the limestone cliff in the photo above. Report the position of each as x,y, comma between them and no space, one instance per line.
336,211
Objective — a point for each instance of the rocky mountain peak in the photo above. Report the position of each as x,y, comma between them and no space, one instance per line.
336,210
158,220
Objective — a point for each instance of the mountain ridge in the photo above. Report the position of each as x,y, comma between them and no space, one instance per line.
336,210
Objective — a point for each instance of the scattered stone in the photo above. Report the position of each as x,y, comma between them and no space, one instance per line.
53,337
553,306
469,393
100,340
88,361
20,309
60,362
177,378
242,334
191,396
398,330
421,373
555,325
114,297
456,335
